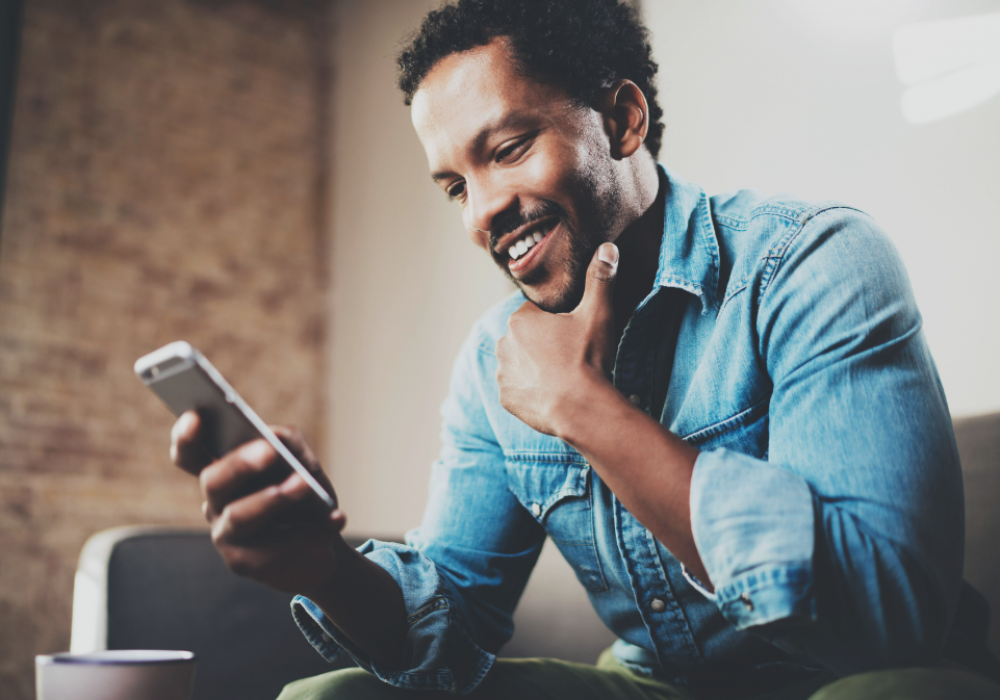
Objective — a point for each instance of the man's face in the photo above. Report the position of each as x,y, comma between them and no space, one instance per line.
531,170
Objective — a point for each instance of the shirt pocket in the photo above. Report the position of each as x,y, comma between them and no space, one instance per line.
746,432
556,491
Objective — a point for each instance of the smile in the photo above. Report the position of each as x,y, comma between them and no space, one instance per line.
526,246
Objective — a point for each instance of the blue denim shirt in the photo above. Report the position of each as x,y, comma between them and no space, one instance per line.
826,503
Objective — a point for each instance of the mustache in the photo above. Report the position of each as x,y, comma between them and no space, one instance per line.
506,222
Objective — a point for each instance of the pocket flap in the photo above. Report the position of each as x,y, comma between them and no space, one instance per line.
541,481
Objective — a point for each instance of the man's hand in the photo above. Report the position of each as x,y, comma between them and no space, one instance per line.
546,362
266,522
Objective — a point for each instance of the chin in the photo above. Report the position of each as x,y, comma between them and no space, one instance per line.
561,300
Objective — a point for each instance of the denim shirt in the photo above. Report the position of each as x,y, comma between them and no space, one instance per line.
826,502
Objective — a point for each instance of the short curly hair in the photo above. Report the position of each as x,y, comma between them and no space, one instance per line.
581,46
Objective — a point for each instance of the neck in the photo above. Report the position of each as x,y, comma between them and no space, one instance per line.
639,251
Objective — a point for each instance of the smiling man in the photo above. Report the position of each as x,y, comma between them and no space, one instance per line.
722,410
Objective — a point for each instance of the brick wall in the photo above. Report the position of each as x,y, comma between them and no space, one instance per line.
166,181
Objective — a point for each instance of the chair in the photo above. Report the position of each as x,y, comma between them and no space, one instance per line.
979,446
167,588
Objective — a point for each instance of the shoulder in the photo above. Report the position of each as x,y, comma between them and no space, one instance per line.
758,235
772,221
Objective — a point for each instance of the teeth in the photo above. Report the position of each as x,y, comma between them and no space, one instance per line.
521,247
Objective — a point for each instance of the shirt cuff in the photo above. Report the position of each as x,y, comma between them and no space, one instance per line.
438,654
754,527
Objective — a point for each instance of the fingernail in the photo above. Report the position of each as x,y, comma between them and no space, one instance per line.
291,484
183,424
608,252
257,452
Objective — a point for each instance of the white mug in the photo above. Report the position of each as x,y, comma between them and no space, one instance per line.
115,674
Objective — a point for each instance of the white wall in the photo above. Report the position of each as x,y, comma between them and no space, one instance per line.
407,283
803,96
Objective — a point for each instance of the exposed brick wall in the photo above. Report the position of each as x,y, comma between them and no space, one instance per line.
166,182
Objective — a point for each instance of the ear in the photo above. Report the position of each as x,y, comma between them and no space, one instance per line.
626,118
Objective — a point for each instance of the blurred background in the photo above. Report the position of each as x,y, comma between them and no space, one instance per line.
242,174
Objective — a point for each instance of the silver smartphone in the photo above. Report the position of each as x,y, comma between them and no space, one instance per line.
185,380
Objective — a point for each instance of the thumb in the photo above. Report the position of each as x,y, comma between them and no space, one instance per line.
598,294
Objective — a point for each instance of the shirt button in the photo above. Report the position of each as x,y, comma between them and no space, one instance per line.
658,605
635,399
536,510
747,603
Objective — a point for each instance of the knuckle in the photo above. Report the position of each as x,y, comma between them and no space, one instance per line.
239,562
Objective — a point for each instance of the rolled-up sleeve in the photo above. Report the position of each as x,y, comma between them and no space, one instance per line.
846,543
464,569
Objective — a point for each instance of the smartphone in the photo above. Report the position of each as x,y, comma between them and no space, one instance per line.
185,380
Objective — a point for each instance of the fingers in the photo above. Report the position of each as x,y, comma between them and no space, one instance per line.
187,449
246,469
292,437
294,441
263,516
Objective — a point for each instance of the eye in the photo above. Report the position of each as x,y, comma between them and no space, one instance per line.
456,190
511,150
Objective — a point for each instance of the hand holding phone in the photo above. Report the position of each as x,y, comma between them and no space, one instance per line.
185,380
279,530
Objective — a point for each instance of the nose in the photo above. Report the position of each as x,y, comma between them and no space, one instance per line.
486,200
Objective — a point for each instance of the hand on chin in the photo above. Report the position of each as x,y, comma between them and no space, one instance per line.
546,359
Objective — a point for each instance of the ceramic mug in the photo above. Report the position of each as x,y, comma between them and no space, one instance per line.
115,674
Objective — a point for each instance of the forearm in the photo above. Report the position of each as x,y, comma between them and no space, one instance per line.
366,604
646,466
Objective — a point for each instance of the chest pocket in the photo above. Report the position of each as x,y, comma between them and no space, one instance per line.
746,432
556,492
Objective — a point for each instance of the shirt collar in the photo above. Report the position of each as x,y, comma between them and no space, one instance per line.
689,254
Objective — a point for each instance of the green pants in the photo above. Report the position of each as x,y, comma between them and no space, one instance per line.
548,679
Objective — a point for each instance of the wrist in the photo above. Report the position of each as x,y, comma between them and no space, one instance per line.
586,408
344,567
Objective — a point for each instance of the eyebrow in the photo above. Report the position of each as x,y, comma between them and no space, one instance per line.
511,120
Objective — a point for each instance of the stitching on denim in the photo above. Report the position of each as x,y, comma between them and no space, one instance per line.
784,574
741,285
729,423
711,242
732,222
777,253
578,475
434,605
546,457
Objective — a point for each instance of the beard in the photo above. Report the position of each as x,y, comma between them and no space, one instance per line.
599,206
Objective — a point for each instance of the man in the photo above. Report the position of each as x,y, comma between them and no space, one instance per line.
722,411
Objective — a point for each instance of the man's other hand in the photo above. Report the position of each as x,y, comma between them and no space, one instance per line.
547,362
266,522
